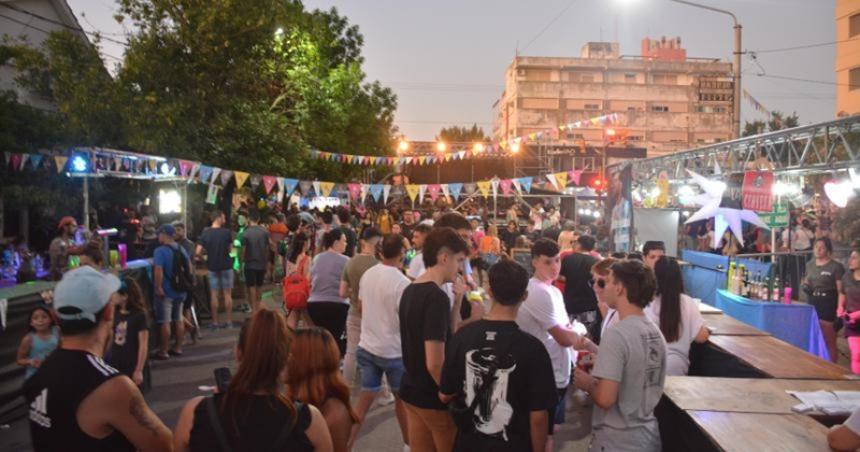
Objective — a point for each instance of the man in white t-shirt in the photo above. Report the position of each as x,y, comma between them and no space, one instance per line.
543,316
379,349
846,436
416,265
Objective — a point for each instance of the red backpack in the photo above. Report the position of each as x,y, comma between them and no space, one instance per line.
297,288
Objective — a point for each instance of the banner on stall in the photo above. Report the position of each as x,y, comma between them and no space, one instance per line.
758,191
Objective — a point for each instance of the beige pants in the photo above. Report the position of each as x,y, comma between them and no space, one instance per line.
429,430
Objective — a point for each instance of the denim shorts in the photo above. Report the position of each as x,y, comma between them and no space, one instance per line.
168,309
221,279
372,367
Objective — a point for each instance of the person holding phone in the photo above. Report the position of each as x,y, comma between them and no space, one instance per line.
259,413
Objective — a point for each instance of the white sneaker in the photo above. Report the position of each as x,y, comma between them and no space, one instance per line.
386,398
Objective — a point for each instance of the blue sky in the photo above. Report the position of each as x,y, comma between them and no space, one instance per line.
446,59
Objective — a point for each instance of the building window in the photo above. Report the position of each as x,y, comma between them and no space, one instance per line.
660,108
592,106
575,136
854,79
629,78
634,138
582,77
631,108
665,79
854,25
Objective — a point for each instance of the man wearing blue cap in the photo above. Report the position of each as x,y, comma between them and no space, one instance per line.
168,294
76,400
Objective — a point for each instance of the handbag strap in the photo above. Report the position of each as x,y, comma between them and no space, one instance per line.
215,420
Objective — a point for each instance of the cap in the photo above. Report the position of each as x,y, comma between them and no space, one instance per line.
65,221
166,229
83,292
370,233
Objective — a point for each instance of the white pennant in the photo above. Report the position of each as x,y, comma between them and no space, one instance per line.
363,192
317,189
445,190
421,190
386,189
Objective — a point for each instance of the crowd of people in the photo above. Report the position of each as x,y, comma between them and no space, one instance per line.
432,314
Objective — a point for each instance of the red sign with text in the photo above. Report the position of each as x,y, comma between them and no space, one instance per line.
758,191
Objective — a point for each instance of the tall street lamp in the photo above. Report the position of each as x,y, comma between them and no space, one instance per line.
736,116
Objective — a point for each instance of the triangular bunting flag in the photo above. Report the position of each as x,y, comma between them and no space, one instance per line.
8,156
305,187
412,190
60,161
354,191
226,175
288,185
255,180
15,161
526,183
421,190
36,160
216,173
375,191
484,187
185,167
317,188
495,184
386,189
205,173
561,178
506,186
434,191
445,190
269,183
241,177
551,178
326,188
455,190
151,163
574,176
24,159
469,188
195,169
364,190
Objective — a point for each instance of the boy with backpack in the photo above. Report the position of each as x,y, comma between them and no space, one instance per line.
171,276
499,377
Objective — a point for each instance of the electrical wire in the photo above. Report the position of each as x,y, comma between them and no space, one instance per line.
801,47
554,19
28,25
64,25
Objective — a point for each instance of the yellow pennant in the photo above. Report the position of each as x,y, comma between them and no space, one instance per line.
484,186
241,177
421,160
60,160
561,178
326,188
412,190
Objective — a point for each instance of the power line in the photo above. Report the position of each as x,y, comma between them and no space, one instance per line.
56,22
554,19
801,47
805,80
27,25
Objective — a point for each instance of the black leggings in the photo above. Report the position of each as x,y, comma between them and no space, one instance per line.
331,316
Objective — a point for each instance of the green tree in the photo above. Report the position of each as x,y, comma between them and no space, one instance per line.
778,121
457,134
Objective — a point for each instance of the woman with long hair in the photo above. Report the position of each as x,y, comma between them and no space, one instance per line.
255,413
849,308
314,378
822,284
677,315
130,344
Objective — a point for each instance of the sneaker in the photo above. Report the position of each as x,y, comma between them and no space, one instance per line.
173,352
159,357
386,398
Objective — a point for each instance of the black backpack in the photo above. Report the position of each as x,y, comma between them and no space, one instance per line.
180,278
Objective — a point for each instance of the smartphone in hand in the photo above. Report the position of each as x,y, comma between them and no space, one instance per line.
222,378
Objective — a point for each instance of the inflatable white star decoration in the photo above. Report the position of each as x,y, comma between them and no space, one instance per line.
724,218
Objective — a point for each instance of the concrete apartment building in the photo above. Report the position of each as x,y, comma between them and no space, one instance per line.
847,57
666,101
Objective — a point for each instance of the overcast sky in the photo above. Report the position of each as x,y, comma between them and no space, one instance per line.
446,59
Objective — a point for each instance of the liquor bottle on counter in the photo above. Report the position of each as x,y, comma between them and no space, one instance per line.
730,278
742,280
757,286
775,290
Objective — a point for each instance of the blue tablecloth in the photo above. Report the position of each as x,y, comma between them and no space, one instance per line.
796,323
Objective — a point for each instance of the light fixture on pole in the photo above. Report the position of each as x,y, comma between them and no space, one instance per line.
441,146
403,146
477,148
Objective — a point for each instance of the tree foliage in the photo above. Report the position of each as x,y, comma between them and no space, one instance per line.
778,121
248,85
457,134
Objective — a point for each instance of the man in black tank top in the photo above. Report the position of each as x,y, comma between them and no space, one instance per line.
77,402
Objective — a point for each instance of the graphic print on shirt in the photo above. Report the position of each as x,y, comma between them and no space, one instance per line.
653,360
120,333
39,409
493,412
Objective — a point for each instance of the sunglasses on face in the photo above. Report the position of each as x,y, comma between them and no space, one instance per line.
601,283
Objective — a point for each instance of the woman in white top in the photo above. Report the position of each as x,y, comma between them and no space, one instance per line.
677,315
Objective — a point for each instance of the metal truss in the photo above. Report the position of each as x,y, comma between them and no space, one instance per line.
817,147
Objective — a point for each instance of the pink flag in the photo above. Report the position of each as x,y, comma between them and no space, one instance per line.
15,160
433,189
269,183
574,176
354,191
185,167
506,186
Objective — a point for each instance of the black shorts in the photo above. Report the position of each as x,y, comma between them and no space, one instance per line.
332,317
556,415
254,278
825,305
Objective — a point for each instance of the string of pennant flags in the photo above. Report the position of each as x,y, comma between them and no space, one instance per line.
494,149
104,162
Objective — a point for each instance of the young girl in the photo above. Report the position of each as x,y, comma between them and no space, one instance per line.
42,339
130,343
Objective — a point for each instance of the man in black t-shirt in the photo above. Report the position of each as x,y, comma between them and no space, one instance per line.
425,313
579,299
343,216
512,409
76,400
217,241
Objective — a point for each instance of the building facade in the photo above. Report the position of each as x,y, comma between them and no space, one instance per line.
666,101
847,57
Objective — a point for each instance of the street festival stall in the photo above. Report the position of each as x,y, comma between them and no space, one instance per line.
754,181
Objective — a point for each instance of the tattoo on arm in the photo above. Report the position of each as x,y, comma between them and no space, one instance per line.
138,409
